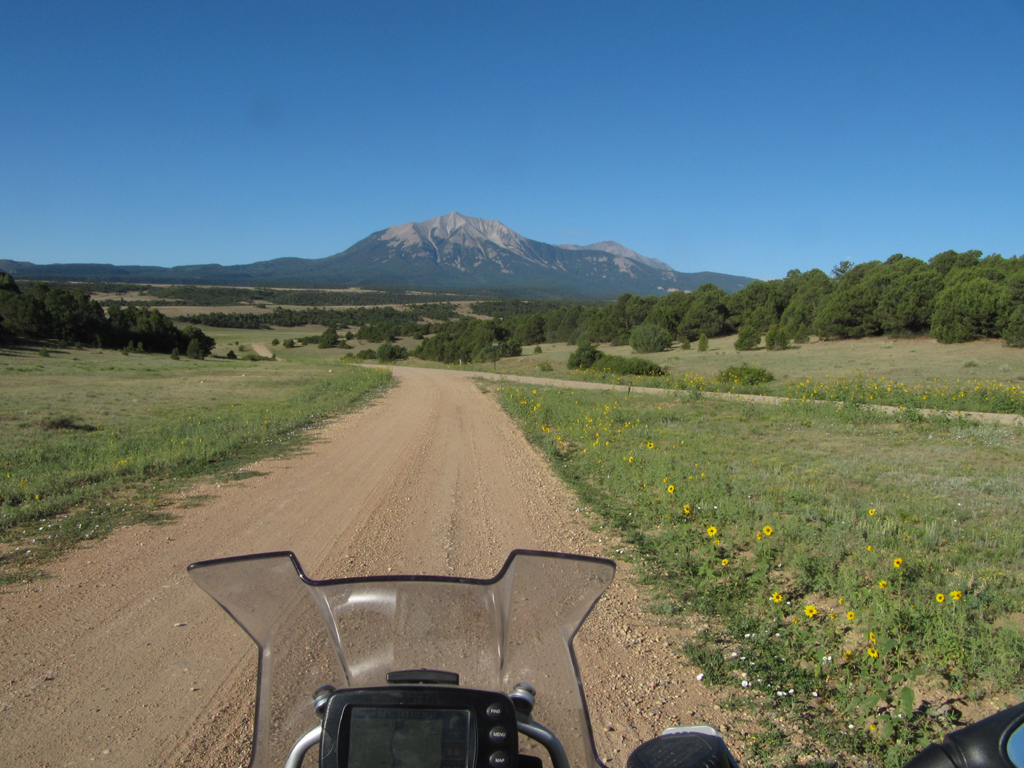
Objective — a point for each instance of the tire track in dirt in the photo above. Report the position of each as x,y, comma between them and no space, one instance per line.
118,659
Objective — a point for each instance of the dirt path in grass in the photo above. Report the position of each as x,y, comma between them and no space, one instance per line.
261,350
119,659
989,418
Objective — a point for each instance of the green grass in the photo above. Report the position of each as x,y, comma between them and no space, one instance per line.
91,439
779,525
907,373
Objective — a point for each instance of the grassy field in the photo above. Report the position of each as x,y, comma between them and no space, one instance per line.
914,373
857,575
93,439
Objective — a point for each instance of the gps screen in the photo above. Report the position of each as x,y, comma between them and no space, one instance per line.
386,737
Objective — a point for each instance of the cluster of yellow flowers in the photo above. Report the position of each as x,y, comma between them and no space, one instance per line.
972,394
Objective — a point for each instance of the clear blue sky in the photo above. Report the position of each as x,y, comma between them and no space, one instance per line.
747,138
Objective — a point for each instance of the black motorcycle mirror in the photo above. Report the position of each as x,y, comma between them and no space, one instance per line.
995,742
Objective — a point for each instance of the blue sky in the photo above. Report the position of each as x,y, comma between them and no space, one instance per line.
746,138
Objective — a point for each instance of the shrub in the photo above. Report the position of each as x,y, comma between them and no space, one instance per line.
585,356
175,354
748,338
388,352
970,363
195,350
329,338
545,367
685,344
349,335
776,339
289,343
366,354
628,366
231,355
702,343
648,337
275,342
745,374
537,350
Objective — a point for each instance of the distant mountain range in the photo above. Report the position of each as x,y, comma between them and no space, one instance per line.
450,252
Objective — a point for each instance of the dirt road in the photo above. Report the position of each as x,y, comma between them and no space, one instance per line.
119,659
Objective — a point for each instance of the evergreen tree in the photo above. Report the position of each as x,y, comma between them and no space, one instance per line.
329,338
648,337
707,313
776,339
749,337
967,310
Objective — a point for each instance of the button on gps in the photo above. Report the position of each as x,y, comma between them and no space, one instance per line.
499,760
494,711
498,734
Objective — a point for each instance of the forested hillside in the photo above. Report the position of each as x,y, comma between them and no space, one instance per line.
955,297
46,313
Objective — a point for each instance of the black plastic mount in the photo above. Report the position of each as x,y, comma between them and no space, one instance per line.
422,677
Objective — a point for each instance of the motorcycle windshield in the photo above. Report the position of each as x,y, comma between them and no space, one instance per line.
349,633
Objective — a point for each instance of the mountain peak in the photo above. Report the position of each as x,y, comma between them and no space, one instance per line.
455,227
453,251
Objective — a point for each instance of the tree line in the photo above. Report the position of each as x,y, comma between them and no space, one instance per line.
954,297
46,313
339,318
